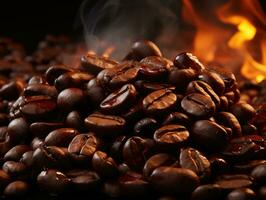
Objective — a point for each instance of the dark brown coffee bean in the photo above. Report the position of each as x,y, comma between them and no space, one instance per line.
4,179
229,120
259,174
229,80
12,90
207,192
214,80
203,88
71,99
36,143
72,80
154,67
16,152
54,72
243,111
74,120
42,129
182,77
37,80
177,118
105,125
231,182
53,181
18,130
145,127
159,102
95,92
194,160
40,89
119,100
94,64
198,105
147,87
187,60
133,114
123,73
158,160
224,104
15,169
104,165
209,135
17,189
241,194
60,137
142,49
218,166
174,181
171,136
117,148
27,158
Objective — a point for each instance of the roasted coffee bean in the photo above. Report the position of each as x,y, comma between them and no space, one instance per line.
53,181
198,105
71,99
145,127
36,143
17,189
207,192
105,125
187,60
74,120
133,114
12,90
249,166
209,135
224,104
117,148
119,100
143,49
123,73
259,174
18,130
177,118
174,181
104,165
27,158
159,102
214,80
147,87
37,80
95,92
94,64
158,160
60,137
72,80
42,129
229,120
40,89
182,77
241,194
243,111
135,152
4,179
218,166
16,152
194,160
203,88
15,169
154,67
231,182
54,72
229,80
171,136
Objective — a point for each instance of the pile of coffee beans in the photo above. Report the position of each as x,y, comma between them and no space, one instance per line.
144,127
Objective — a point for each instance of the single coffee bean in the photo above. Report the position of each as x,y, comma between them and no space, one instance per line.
145,127
159,102
27,158
15,169
229,80
12,90
158,160
37,80
123,73
231,182
53,181
117,148
209,135
259,174
105,125
198,105
229,120
214,80
243,111
182,77
54,72
194,160
241,194
119,100
94,64
147,87
207,192
171,136
187,60
174,181
42,129
17,189
4,179
104,165
16,152
75,120
18,130
40,89
177,118
95,92
60,137
143,49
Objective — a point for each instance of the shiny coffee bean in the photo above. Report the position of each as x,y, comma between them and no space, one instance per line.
241,194
40,89
159,102
15,169
42,129
218,166
224,104
187,60
229,80
105,125
16,152
54,72
18,130
243,112
116,148
177,118
231,182
198,105
16,190
53,181
174,181
209,135
194,160
182,77
12,90
259,174
119,100
60,137
95,92
27,158
207,192
94,64
214,80
36,143
37,80
75,120
145,127
147,87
